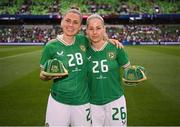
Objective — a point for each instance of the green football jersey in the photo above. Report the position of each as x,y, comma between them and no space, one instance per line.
104,73
71,89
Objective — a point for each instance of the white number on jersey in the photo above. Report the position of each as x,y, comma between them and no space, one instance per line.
77,57
102,64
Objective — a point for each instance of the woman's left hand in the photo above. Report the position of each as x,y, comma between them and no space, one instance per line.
117,43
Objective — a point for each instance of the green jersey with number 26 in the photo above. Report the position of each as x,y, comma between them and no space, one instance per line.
104,73
71,89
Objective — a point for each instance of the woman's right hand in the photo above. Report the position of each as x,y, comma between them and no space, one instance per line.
44,77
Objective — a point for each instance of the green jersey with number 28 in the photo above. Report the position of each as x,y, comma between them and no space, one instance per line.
71,89
104,73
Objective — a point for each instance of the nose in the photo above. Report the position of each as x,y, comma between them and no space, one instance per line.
94,31
70,24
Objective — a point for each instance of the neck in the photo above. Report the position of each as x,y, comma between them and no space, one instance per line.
98,45
68,39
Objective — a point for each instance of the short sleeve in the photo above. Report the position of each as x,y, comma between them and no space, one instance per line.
122,57
46,54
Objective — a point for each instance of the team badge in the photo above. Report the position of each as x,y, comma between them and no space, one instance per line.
83,48
111,55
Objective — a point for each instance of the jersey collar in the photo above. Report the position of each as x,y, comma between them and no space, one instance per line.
60,38
102,48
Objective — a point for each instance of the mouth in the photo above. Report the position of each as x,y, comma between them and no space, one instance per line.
94,36
70,30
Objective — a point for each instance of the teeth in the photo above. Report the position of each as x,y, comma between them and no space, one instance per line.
70,30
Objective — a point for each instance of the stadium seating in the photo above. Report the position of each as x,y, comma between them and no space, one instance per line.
130,33
41,7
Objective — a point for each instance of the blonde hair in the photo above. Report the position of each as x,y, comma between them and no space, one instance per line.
94,16
75,11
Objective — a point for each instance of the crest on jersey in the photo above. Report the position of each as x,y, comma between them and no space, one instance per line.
83,48
111,55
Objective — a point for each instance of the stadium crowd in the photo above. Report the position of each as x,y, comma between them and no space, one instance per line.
131,33
151,33
104,7
21,33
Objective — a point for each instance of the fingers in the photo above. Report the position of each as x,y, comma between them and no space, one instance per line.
120,45
56,77
116,43
44,77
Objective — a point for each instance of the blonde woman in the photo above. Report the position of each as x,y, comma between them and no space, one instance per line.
108,105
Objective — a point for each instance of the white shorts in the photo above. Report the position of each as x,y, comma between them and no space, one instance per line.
59,114
111,114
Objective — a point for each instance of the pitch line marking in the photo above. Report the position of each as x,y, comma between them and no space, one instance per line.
9,57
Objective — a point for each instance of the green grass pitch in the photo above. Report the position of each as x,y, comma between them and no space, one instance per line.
23,96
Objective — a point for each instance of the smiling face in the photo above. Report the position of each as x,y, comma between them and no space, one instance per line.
71,24
95,30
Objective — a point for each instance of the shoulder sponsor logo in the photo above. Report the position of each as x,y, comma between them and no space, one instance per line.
89,58
60,53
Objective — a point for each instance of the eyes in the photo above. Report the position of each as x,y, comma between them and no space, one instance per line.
72,21
95,28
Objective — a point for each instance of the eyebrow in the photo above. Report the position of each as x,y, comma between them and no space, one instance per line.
71,19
